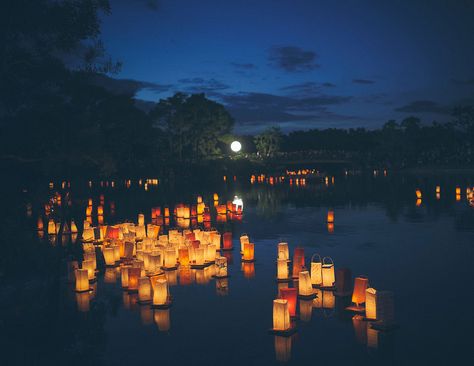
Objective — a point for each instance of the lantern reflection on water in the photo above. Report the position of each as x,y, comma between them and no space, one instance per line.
124,276
282,348
221,267
146,315
83,301
306,309
183,256
289,294
330,217
227,241
282,270
162,319
222,286
281,315
248,269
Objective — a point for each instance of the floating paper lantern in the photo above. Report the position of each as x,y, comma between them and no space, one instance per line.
418,194
140,232
183,256
162,319
283,251
160,292
153,231
371,303
282,348
316,270
199,256
51,227
144,289
128,249
289,294
210,253
327,271
109,256
298,261
89,266
221,267
438,189
141,219
281,315
100,210
134,273
360,286
304,284
330,217
243,239
116,249
154,262
88,234
73,227
82,280
216,240
170,258
221,209
458,191
282,269
249,252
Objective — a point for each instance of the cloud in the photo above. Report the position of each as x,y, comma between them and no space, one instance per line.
201,85
127,86
424,106
363,81
292,58
308,88
243,66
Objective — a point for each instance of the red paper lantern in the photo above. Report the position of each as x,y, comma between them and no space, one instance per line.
289,294
298,261
227,239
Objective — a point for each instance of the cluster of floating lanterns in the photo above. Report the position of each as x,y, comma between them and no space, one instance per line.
458,193
318,286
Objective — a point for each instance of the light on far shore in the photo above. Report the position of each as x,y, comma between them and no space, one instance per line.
236,146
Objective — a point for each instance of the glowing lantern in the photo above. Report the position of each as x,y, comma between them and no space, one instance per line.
51,227
216,197
298,261
183,256
128,249
283,251
360,286
282,270
82,280
289,294
89,266
304,285
227,241
221,267
140,232
210,253
330,217
216,240
134,273
249,251
281,315
160,292
371,303
141,219
170,258
109,256
282,348
73,227
243,239
418,194
153,231
458,191
438,189
199,256
316,270
88,234
40,225
144,290
162,319
154,263
327,271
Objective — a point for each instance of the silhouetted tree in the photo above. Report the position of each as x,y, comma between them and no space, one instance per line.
268,142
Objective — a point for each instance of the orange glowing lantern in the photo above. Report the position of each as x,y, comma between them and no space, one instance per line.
109,256
124,276
327,271
216,197
100,210
330,217
144,290
243,239
249,252
371,303
289,294
283,251
170,258
183,254
134,273
82,280
360,286
316,270
305,289
160,292
418,194
90,267
298,261
141,219
281,315
51,227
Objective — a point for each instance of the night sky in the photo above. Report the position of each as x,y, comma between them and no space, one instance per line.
299,64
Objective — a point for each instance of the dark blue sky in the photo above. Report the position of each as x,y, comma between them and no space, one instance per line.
300,64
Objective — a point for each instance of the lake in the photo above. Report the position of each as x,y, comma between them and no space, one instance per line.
422,250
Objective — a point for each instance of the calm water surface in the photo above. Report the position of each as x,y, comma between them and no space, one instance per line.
423,253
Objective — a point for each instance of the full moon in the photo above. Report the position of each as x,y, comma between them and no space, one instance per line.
236,146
